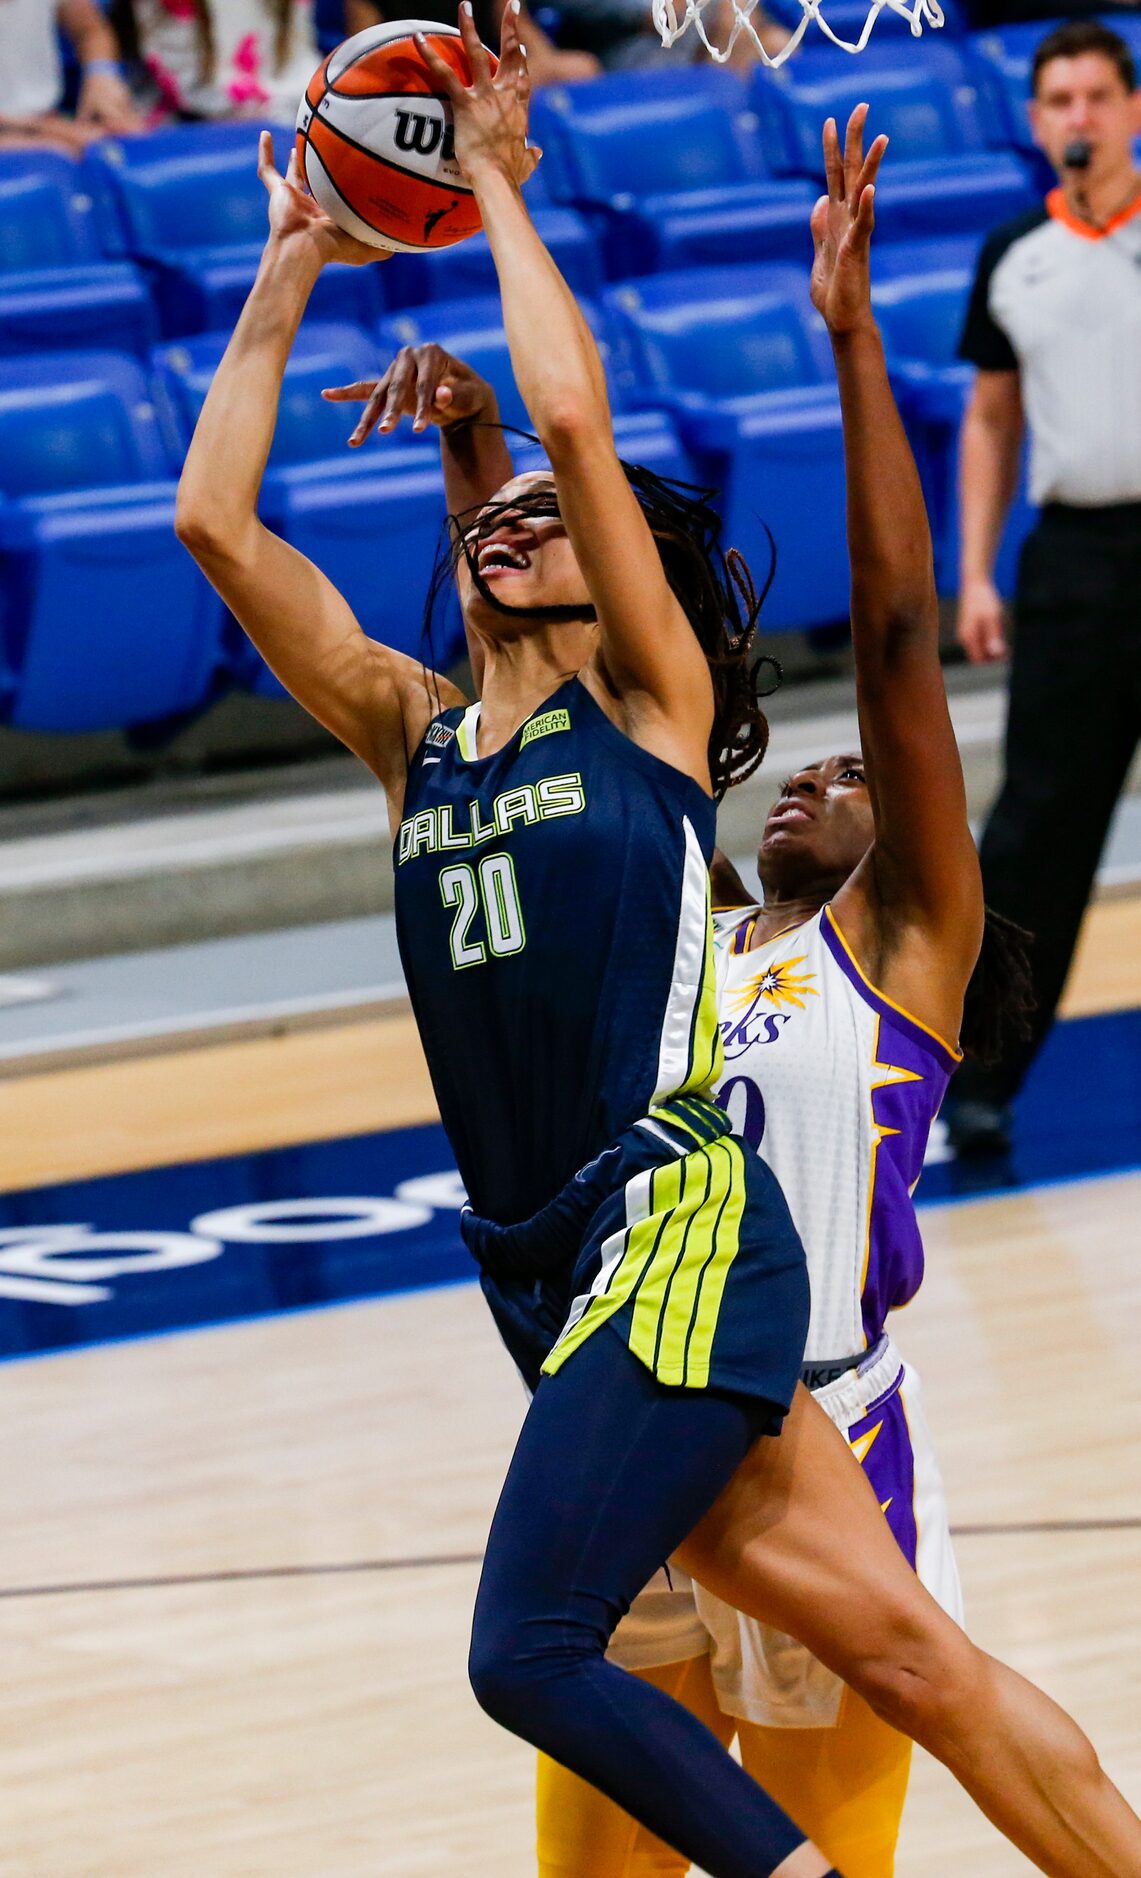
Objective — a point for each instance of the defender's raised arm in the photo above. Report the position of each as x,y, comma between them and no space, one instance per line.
919,887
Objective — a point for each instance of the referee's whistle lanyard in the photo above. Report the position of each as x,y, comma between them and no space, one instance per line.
1077,201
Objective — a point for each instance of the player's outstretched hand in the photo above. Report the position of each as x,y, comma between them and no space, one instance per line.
490,114
424,383
842,224
293,213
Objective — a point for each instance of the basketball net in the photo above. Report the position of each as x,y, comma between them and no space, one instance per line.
671,22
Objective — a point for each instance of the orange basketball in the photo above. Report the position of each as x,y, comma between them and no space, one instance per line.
374,140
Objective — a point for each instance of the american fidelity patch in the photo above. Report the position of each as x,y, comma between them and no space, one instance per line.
545,726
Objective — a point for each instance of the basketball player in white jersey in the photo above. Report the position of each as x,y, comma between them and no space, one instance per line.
836,1087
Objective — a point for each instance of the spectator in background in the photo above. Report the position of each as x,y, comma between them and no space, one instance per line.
32,65
1054,328
221,58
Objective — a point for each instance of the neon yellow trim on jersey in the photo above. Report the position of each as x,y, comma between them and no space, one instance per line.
706,1062
467,731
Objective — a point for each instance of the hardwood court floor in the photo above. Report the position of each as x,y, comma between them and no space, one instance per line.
270,1532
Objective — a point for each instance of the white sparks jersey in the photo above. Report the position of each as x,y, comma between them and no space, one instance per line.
836,1088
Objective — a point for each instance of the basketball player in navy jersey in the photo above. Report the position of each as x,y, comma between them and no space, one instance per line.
571,1032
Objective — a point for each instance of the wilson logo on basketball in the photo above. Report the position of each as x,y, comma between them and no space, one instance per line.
423,136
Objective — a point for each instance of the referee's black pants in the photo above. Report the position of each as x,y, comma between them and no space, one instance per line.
1073,727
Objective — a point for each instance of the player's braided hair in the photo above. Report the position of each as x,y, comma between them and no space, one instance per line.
1000,995
713,586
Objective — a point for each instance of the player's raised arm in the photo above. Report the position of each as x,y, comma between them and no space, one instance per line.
921,879
375,700
649,653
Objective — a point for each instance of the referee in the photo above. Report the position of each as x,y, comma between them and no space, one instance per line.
1054,329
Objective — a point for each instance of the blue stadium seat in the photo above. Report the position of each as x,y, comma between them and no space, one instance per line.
940,111
1005,54
104,620
332,503
473,329
376,536
557,108
606,139
675,174
921,315
329,21
56,287
931,99
847,18
944,196
932,255
467,269
645,437
740,360
309,429
194,216
715,338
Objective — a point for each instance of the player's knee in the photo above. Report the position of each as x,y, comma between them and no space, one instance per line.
498,1677
925,1681
513,1666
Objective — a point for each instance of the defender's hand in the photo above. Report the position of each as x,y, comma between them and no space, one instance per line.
293,213
842,224
424,383
490,115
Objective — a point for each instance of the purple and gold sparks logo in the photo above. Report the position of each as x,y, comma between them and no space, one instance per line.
764,1003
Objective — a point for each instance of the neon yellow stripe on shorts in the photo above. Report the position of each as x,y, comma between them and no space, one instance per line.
674,1264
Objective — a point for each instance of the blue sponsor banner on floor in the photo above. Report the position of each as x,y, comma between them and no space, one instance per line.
212,1241
295,1228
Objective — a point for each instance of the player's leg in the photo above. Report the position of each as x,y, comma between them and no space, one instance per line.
817,1747
845,1786
798,1540
610,1472
582,1834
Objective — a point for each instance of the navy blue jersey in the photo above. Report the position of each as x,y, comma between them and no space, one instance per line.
552,909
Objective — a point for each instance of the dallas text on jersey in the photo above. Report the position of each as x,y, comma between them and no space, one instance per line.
432,831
